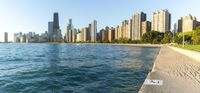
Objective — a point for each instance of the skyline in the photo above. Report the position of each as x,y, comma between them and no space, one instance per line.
107,13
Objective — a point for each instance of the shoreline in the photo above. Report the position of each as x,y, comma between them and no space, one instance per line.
115,44
140,45
179,73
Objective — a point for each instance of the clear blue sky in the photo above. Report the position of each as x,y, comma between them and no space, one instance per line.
33,15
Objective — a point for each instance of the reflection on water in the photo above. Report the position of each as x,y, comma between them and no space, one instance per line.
73,68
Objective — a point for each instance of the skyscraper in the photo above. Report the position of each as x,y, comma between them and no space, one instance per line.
74,33
56,21
70,31
89,32
124,23
5,37
50,31
189,23
56,35
117,33
129,29
79,37
175,30
137,20
84,34
93,31
161,21
146,27
105,35
111,34
179,25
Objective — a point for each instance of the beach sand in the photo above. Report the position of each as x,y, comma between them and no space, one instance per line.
180,73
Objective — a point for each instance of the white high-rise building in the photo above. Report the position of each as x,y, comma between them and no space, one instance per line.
189,23
93,31
137,20
161,21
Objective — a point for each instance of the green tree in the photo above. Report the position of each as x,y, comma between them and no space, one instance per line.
153,37
188,37
196,36
178,38
167,37
157,37
147,37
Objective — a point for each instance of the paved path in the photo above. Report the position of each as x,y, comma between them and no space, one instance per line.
179,73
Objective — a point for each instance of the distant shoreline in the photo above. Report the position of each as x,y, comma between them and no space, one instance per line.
115,44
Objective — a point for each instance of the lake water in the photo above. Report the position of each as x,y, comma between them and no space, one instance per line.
73,68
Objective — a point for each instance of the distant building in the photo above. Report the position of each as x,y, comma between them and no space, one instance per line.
146,27
31,37
98,36
124,28
129,29
105,35
74,33
111,34
179,26
43,37
138,18
89,36
17,37
189,23
84,34
50,31
175,30
101,35
93,31
117,33
79,37
161,21
6,37
56,35
70,31
23,38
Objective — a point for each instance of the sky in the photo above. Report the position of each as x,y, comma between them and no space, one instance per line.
34,15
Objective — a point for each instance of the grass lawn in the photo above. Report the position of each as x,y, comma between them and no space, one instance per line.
190,47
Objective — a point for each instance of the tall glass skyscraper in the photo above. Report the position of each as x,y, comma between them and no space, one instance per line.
56,21
55,32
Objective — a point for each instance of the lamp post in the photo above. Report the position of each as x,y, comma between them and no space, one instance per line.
183,40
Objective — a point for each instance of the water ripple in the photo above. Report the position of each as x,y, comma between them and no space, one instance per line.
61,68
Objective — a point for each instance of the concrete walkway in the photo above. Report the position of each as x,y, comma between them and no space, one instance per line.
193,54
179,73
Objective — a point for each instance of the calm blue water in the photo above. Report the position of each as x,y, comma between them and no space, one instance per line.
62,68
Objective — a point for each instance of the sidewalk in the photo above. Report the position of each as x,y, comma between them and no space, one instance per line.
178,73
